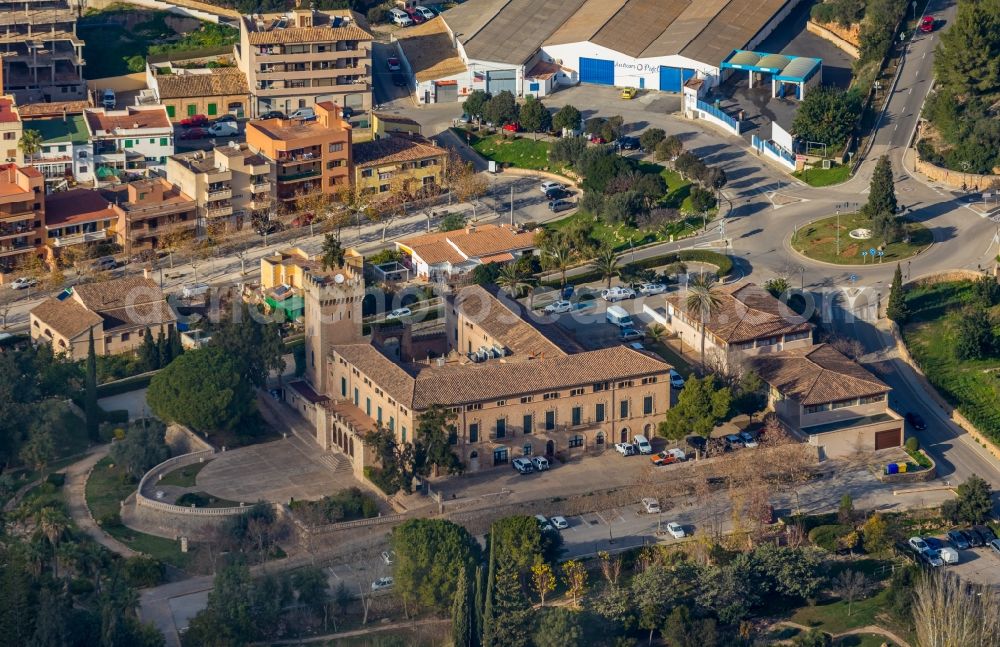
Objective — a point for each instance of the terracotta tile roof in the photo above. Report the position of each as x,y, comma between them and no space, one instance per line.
76,205
817,375
99,119
430,51
419,386
508,322
394,149
317,34
218,82
67,317
746,312
118,293
8,114
302,388
477,242
56,109
139,315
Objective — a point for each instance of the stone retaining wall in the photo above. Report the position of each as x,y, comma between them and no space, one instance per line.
955,179
826,33
919,476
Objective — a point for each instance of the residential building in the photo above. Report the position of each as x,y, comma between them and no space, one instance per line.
399,164
307,155
10,132
385,125
77,217
186,90
226,183
517,386
304,57
22,214
118,311
66,154
132,141
747,321
840,406
286,275
441,256
42,57
152,214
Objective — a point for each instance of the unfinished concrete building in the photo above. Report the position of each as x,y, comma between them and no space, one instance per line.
42,55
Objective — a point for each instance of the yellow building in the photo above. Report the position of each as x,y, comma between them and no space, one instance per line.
284,274
384,125
410,165
199,91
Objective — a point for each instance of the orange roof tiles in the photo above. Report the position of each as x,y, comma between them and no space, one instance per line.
74,206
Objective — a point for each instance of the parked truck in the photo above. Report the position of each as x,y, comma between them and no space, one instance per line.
617,316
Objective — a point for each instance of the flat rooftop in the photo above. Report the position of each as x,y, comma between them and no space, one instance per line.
292,129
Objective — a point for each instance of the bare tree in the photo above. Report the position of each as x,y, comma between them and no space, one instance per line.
948,612
851,585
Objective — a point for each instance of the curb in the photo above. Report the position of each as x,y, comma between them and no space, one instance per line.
788,244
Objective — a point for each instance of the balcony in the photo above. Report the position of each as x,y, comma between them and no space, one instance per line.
219,193
12,231
260,187
76,239
295,177
218,209
15,247
17,214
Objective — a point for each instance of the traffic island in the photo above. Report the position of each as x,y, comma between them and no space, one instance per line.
848,239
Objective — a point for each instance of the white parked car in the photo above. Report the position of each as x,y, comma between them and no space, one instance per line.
617,294
388,556
749,440
625,449
560,523
540,463
642,444
548,186
676,381
399,313
918,544
652,288
23,283
425,12
651,505
223,129
559,307
382,583
399,17
543,523
676,530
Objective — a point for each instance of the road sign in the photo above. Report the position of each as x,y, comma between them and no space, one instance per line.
853,277
881,252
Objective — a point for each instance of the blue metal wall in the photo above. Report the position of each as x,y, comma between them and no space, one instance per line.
596,70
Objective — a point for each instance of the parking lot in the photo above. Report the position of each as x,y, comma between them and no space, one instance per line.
979,564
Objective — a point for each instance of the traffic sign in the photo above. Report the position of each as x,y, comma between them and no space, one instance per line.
872,251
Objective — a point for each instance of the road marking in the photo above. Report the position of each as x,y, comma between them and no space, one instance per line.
621,518
598,514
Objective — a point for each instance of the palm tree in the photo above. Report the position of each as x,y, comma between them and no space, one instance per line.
703,298
30,144
512,277
332,255
558,254
657,333
607,264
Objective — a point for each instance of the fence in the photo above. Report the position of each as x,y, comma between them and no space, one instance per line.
180,461
712,113
774,152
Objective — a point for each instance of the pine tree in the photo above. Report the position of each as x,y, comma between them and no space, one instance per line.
91,410
461,613
897,310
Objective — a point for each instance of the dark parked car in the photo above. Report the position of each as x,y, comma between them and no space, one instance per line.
399,80
916,421
958,539
273,114
194,133
985,533
559,205
973,537
557,193
230,118
934,543
628,143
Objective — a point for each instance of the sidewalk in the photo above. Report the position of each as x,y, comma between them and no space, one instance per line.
76,481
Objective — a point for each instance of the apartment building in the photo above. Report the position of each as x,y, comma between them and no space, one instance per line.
228,183
65,152
77,217
308,156
118,311
22,215
304,57
394,164
746,322
186,90
127,142
152,214
42,57
10,132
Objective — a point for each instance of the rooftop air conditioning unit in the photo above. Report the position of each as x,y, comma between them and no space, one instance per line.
499,351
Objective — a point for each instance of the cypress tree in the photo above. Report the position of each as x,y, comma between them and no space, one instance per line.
896,310
486,627
149,353
461,613
881,206
162,350
477,612
91,410
176,349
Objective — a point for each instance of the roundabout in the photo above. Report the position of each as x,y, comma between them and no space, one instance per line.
847,239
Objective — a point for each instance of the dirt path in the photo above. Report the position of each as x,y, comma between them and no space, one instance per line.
365,631
870,629
76,483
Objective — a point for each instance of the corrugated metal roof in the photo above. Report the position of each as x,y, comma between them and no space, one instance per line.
466,19
745,58
586,22
733,27
685,28
518,30
799,68
775,62
636,25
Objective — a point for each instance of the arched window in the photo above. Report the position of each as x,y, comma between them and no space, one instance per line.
474,455
599,438
576,440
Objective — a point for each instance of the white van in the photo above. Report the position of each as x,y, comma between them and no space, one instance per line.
196,290
399,17
305,114
642,444
108,99
617,316
223,129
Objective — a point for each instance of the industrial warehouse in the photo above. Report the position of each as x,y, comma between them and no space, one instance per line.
530,47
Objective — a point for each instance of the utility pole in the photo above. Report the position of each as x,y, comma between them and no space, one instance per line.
511,205
838,233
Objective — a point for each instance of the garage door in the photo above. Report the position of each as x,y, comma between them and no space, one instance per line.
595,70
446,93
499,80
673,78
886,439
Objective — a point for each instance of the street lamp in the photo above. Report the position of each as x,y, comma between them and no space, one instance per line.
802,277
838,232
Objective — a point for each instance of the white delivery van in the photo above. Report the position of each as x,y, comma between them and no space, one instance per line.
642,444
617,316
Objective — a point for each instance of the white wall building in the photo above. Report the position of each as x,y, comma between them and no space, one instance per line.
136,140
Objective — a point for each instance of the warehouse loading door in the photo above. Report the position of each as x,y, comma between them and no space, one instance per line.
446,92
670,79
596,70
499,80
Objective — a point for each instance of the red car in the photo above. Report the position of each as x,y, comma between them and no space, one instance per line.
512,128
415,17
927,24
194,121
194,133
393,63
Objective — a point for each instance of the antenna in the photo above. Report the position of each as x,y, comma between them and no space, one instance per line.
338,278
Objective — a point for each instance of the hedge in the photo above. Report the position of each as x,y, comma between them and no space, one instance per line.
126,385
828,537
722,261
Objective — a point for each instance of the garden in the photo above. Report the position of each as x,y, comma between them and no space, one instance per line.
818,240
951,331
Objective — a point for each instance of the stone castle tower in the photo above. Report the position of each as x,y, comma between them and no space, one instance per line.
332,316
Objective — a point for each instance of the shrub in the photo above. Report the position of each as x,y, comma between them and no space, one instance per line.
382,480
111,520
189,499
80,586
376,15
142,571
829,537
912,444
57,479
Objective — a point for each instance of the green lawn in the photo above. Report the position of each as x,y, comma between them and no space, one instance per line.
818,240
863,640
518,151
671,357
817,176
832,616
183,476
621,236
971,386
